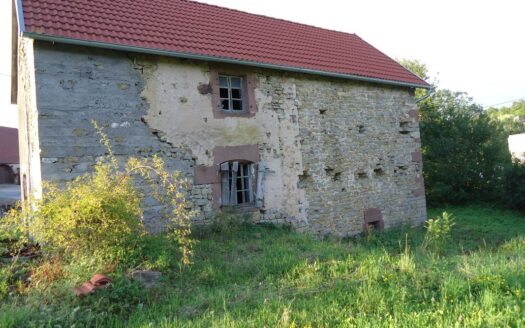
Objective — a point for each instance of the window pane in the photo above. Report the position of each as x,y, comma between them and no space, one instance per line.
239,184
225,104
224,93
236,93
223,81
237,105
235,82
240,197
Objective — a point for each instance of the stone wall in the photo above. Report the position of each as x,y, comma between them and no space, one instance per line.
360,146
78,85
333,148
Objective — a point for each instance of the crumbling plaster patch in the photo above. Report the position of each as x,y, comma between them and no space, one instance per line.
191,124
28,121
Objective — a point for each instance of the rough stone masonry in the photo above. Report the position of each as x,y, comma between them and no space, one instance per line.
339,155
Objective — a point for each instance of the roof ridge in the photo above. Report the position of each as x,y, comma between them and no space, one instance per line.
189,29
268,17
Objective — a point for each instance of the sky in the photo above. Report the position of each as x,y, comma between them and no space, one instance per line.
473,46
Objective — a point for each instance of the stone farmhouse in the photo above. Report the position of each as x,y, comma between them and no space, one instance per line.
288,122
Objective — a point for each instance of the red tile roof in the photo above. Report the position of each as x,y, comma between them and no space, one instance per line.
188,28
8,145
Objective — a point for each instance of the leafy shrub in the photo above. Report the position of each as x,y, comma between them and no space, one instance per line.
96,215
5,277
99,215
438,232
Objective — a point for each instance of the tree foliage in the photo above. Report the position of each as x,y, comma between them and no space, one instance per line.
512,117
464,151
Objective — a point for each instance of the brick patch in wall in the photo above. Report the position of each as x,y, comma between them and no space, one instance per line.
417,157
414,113
373,218
420,189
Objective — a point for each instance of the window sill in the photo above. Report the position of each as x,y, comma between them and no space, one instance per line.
245,208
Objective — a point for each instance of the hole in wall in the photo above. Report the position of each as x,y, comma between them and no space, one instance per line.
400,169
374,226
322,111
304,179
379,172
404,127
361,128
336,176
361,175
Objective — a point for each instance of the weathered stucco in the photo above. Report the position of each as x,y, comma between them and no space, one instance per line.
190,124
28,141
332,148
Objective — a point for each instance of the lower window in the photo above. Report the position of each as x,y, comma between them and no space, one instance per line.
237,183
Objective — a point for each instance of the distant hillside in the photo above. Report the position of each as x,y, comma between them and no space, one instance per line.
512,118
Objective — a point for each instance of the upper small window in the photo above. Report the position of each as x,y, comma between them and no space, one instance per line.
231,93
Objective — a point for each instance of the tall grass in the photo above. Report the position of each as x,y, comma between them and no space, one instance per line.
271,277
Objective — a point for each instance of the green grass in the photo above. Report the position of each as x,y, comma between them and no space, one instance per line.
271,277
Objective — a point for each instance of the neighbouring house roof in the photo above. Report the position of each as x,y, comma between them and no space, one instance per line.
8,145
191,29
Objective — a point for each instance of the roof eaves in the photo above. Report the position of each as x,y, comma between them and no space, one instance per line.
20,16
51,38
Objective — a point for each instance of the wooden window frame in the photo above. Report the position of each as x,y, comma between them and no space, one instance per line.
233,172
230,99
212,174
248,85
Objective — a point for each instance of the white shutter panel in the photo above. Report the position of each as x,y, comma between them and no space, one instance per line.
233,188
259,201
250,183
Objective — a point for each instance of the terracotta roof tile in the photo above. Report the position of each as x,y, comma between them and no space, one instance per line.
193,28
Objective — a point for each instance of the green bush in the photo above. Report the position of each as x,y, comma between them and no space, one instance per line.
96,214
438,232
99,215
